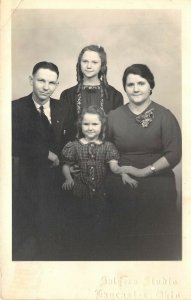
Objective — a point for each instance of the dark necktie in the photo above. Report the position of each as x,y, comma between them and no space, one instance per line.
47,127
44,117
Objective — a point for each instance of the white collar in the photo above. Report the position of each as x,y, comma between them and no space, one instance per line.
45,105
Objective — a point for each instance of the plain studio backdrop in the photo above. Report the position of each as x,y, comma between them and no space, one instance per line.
151,37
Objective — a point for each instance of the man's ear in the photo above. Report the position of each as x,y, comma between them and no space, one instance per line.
31,80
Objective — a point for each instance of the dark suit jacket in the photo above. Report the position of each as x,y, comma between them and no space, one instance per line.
28,138
36,186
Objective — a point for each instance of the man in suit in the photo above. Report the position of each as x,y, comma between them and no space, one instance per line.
40,129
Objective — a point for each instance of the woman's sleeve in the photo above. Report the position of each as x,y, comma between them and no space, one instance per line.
68,153
112,152
171,139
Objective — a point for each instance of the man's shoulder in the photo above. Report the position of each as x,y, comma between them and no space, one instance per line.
22,101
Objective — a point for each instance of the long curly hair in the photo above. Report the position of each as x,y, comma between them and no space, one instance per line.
95,111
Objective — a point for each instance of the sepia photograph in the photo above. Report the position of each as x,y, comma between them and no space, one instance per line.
122,201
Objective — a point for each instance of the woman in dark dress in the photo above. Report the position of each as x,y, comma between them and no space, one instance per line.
92,87
145,219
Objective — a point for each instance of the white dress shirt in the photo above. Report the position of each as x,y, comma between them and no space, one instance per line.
46,109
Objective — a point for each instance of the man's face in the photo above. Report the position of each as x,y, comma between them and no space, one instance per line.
44,83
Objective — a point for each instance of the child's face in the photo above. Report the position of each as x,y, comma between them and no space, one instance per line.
90,64
91,127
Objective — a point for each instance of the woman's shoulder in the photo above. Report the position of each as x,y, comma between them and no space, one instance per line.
159,106
160,109
166,116
118,111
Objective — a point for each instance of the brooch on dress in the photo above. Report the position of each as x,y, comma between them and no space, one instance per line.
146,118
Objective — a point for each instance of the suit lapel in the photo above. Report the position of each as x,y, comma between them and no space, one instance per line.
32,108
33,116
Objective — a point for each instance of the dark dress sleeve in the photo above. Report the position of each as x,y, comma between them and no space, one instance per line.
68,105
113,100
118,99
171,139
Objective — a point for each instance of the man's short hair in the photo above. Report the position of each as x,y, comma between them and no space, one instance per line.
45,65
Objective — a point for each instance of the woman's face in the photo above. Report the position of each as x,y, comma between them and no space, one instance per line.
90,64
137,89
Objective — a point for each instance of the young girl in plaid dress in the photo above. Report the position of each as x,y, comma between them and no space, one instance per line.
93,155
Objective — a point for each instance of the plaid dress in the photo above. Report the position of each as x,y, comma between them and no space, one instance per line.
92,160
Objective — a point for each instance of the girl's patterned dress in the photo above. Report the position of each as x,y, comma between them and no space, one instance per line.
90,233
92,160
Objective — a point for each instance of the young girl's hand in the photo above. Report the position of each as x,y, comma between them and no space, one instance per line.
127,179
74,170
68,184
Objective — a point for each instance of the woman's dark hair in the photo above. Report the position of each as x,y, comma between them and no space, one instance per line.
141,70
45,65
95,111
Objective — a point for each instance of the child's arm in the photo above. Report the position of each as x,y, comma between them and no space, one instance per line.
69,182
115,168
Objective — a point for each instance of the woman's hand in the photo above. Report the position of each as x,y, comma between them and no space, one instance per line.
127,179
133,171
68,184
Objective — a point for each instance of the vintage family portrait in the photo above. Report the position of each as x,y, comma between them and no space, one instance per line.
121,202
97,129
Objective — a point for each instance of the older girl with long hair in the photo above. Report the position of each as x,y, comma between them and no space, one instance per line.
92,87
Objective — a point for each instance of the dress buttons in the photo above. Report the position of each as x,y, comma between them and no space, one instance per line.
93,190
